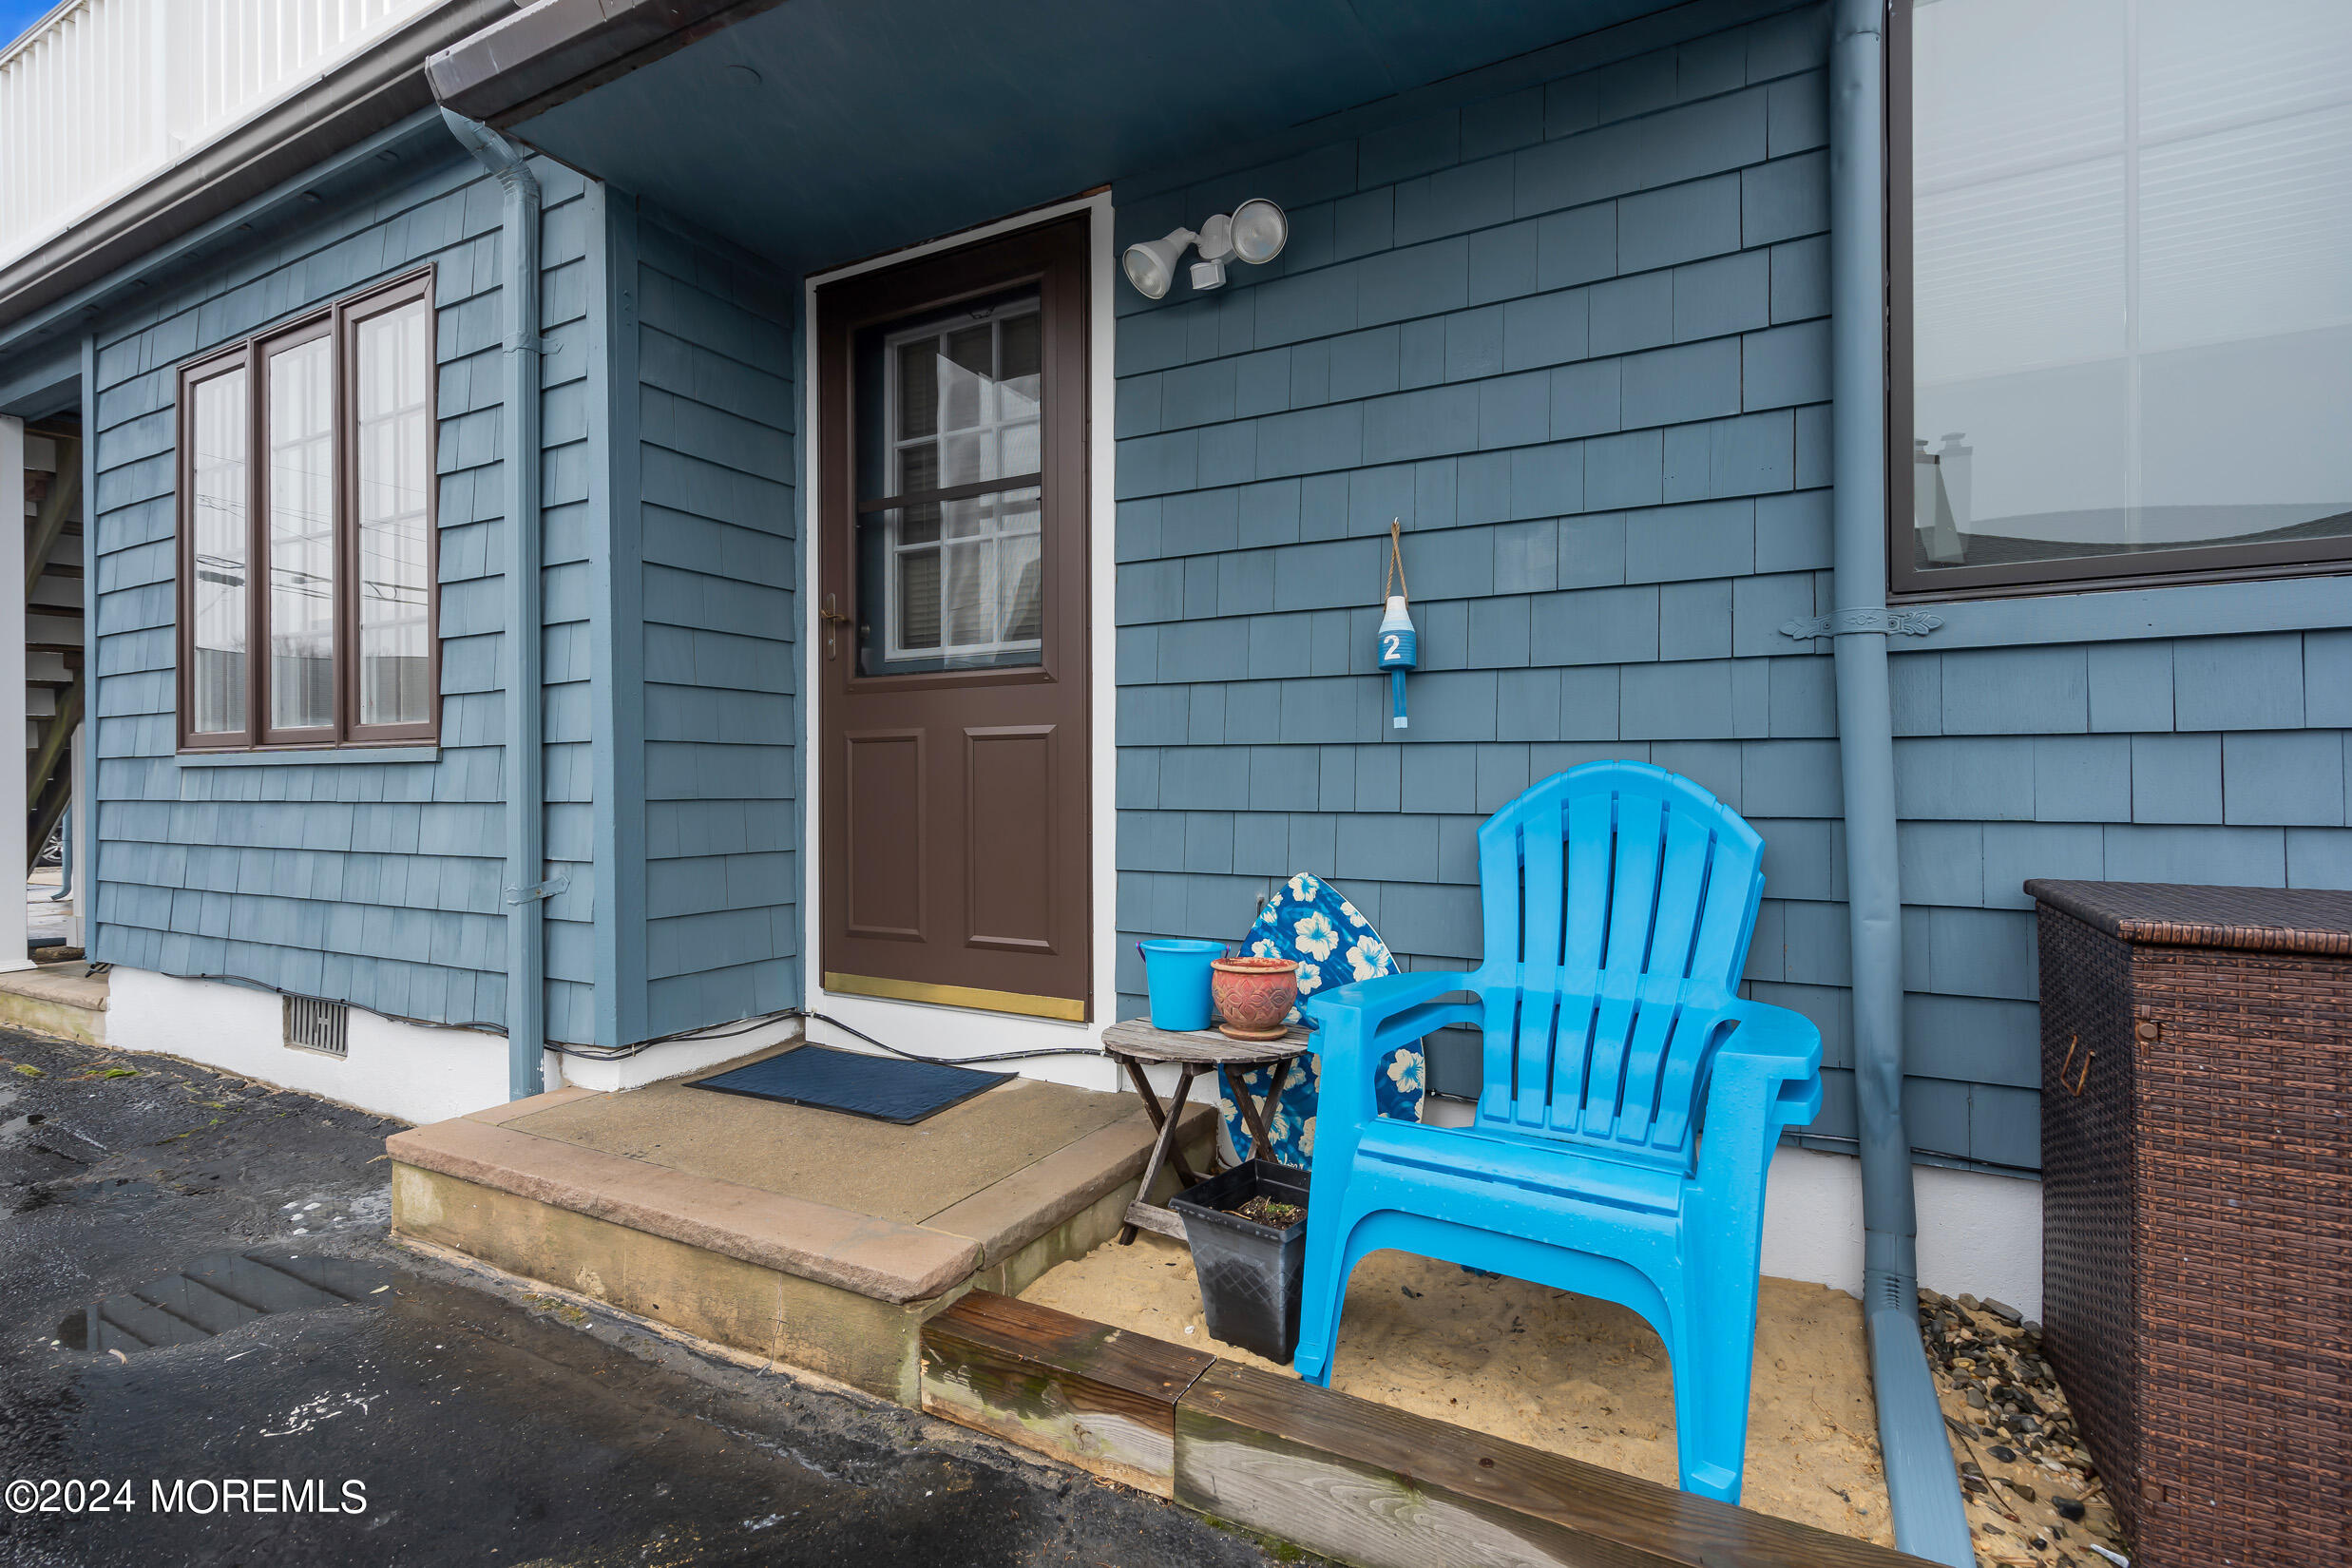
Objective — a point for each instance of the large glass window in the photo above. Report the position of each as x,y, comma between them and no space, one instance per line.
2129,268
309,451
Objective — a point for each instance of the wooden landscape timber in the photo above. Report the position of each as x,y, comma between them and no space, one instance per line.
1328,1472
1386,1488
1101,1398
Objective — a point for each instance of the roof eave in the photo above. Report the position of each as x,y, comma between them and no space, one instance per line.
557,50
379,86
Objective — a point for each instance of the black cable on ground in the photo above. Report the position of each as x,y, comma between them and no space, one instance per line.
951,1061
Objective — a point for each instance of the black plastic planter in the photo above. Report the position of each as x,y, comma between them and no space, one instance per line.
1250,1273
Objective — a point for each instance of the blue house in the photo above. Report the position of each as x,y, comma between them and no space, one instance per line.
846,509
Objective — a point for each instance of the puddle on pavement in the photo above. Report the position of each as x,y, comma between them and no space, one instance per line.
215,1293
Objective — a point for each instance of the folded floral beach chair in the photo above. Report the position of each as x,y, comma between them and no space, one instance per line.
1309,920
1631,1103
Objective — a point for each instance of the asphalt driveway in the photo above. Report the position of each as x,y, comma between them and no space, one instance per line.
210,1348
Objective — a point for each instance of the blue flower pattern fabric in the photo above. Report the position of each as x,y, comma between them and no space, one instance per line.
1307,920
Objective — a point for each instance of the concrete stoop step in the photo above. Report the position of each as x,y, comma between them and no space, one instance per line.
820,1240
64,1001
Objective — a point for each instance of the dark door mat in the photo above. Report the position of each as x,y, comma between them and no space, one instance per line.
884,1088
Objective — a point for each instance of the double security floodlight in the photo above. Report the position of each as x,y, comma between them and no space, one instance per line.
1253,232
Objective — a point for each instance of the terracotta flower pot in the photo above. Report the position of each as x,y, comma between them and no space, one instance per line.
1253,995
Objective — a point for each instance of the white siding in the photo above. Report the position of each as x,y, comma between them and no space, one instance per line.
105,93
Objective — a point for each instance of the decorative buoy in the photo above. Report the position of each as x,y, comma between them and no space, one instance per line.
1398,647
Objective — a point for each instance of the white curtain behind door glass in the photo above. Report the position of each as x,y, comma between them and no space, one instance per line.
2133,290
967,582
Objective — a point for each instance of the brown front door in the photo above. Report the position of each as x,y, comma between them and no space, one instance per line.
952,727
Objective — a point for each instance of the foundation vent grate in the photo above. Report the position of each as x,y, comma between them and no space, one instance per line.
313,1025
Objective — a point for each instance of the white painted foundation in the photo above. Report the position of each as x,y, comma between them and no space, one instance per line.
400,1070
410,1071
1979,1234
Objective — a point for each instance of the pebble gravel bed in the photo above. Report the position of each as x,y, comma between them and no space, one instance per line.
2034,1496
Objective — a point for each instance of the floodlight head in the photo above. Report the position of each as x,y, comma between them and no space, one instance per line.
1216,238
1257,231
1151,265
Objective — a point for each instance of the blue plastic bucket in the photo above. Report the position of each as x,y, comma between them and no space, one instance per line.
1177,969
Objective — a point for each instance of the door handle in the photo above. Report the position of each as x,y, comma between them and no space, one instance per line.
831,618
2084,1077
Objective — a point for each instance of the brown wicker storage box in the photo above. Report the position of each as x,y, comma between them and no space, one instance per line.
2197,1210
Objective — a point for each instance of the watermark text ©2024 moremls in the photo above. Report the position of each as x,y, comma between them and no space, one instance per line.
190,1495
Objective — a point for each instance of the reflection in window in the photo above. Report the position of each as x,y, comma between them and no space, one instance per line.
966,580
2132,276
216,590
394,481
301,535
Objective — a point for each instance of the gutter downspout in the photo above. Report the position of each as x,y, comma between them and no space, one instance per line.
1921,1481
528,886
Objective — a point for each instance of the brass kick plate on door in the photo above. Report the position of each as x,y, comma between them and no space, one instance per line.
1070,1008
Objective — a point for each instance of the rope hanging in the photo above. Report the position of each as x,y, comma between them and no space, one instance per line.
1394,571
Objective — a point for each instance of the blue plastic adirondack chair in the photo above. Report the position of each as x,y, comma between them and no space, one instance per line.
1632,1100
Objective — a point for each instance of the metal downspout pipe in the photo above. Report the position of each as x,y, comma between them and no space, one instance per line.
528,886
1921,1480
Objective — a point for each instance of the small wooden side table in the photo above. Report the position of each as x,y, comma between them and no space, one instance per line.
1135,1044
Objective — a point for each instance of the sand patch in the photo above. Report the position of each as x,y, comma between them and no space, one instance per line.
1554,1371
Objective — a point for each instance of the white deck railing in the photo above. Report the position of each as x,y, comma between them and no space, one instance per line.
102,94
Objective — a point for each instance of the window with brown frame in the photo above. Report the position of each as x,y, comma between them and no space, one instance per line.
2121,301
306,531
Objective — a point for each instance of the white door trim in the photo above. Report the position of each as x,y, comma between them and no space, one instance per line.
12,784
923,1027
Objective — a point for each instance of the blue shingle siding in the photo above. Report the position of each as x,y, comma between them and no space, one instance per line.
714,417
1567,336
1575,339
2198,769
571,234
378,883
